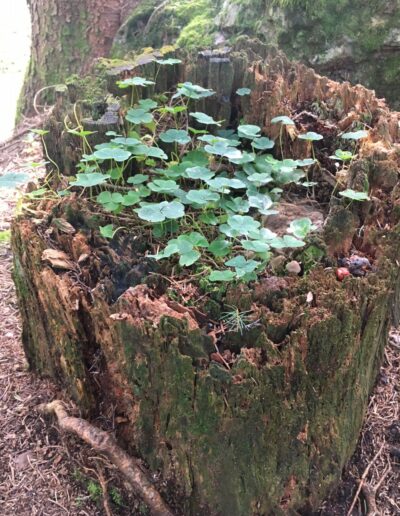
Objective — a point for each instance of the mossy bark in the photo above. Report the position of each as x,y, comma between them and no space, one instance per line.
66,38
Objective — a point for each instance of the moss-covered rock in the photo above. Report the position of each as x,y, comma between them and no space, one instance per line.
347,40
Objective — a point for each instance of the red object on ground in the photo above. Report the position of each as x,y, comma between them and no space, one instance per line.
342,272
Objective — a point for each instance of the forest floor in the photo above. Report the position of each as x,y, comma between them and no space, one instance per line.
45,472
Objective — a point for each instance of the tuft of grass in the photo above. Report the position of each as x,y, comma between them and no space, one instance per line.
5,236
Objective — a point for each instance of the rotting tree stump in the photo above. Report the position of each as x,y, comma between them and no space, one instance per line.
271,434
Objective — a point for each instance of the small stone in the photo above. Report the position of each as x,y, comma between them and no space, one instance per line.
293,267
342,272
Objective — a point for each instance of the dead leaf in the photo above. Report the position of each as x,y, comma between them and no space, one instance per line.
119,316
57,259
63,226
21,461
83,258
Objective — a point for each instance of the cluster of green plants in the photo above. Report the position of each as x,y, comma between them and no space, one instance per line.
201,192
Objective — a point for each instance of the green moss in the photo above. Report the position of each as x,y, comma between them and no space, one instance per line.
197,33
188,22
325,33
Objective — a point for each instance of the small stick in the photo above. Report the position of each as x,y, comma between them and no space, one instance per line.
104,487
103,442
362,480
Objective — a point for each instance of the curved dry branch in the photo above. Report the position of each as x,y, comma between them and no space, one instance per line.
102,442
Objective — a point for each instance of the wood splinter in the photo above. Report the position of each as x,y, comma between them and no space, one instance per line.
102,442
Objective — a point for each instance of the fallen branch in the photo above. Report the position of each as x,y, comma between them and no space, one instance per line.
102,442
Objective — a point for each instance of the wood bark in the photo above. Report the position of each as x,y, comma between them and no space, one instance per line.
67,37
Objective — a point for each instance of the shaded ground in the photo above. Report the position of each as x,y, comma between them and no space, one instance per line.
377,458
43,472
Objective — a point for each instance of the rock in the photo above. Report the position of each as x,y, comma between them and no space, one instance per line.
293,268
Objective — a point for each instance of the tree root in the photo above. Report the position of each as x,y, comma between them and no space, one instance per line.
102,442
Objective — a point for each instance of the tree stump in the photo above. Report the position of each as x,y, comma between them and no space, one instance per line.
265,424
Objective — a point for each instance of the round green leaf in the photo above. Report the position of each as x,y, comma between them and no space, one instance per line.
286,241
243,223
204,119
225,183
202,197
243,91
216,276
192,91
263,143
284,120
159,212
257,246
175,136
139,116
134,81
355,196
114,153
152,152
131,198
13,179
189,258
127,142
249,131
163,186
137,179
90,180
356,135
147,104
220,247
224,150
310,136
107,231
342,155
199,173
301,227
170,61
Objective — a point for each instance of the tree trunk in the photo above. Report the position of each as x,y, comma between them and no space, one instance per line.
66,37
271,433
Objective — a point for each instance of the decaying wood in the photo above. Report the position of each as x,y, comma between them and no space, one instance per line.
291,402
103,442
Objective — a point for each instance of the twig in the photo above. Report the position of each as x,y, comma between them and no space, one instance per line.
370,493
103,442
103,484
362,480
37,96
